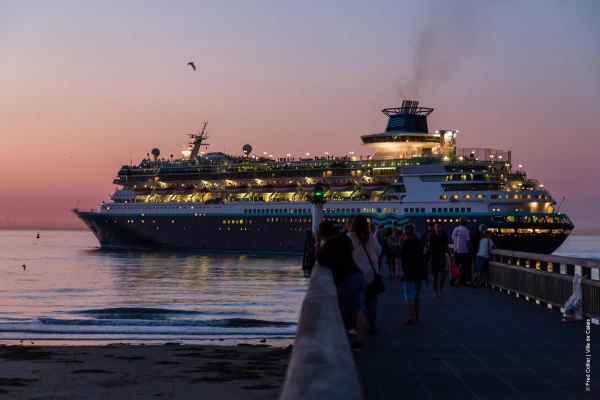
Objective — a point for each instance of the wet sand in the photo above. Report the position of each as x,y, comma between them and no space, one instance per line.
142,372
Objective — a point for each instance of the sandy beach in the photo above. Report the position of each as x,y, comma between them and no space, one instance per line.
142,371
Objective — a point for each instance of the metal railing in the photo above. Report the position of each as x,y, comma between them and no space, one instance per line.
546,278
322,365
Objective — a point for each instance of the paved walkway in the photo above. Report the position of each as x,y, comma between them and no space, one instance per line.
474,344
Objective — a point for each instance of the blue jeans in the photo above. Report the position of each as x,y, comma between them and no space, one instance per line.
351,297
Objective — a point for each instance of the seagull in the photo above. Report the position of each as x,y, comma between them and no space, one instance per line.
192,64
24,267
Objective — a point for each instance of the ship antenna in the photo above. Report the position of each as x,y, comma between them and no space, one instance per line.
197,139
558,209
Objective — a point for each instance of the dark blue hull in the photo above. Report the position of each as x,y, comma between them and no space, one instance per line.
282,234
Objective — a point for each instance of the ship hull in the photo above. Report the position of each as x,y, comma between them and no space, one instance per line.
257,234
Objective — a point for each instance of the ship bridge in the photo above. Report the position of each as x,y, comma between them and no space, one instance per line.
407,135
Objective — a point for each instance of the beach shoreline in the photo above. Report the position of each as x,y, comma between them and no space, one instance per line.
122,371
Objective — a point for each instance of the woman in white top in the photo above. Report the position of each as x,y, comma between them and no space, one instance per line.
366,253
482,260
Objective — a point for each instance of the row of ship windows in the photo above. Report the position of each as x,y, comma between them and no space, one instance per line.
327,210
530,231
447,220
451,209
241,221
276,210
533,218
498,196
127,208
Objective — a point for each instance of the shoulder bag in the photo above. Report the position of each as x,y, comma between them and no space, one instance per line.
377,286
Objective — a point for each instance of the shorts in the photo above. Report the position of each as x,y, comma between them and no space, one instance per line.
481,263
438,266
352,291
412,289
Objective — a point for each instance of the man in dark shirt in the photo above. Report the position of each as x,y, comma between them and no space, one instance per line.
335,252
438,248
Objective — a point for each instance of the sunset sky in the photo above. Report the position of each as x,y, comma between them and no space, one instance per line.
100,81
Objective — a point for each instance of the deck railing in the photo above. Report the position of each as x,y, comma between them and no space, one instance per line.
545,278
322,365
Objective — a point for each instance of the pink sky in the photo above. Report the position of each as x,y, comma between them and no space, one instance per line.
98,82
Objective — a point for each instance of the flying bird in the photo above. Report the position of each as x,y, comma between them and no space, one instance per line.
71,156
192,64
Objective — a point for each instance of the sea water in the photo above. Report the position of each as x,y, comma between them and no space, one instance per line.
72,291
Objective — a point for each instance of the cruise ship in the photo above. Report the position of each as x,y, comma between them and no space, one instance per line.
211,201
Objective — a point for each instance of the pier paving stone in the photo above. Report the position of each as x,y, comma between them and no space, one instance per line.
472,344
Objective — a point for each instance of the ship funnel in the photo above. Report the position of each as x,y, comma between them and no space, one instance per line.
408,118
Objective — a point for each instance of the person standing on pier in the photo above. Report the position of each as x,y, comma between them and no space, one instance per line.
366,253
394,253
476,236
483,257
438,248
335,252
413,265
462,247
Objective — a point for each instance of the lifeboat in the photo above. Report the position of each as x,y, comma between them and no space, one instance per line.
164,190
373,186
307,187
286,187
263,188
187,189
142,191
343,187
237,188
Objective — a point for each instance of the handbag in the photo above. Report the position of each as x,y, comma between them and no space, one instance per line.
377,286
454,271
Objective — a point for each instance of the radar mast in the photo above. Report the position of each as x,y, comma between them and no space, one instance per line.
196,140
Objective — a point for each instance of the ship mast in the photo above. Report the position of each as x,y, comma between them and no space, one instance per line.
196,141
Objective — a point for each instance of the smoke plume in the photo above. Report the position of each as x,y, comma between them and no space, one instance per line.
446,39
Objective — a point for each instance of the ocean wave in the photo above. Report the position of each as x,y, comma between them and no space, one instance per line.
134,310
223,323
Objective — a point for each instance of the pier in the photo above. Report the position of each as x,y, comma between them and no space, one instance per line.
503,341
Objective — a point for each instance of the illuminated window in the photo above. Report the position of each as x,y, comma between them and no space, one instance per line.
522,230
443,197
496,196
467,196
507,230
